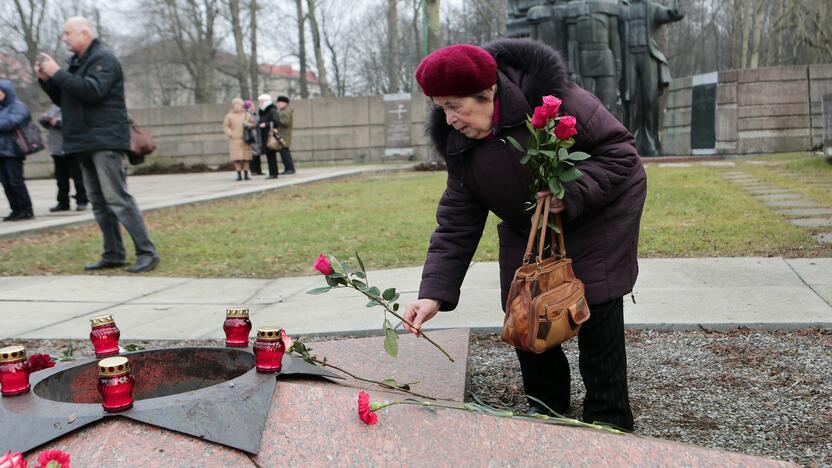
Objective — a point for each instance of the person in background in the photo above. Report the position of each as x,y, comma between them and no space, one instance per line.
66,165
268,119
285,130
90,92
234,124
13,115
255,147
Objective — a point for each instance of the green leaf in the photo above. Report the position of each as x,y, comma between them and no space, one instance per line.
317,291
373,303
388,294
361,265
395,297
573,173
360,285
336,266
360,274
393,384
568,143
532,152
374,291
391,340
515,143
396,307
561,192
554,186
333,282
525,159
554,227
547,153
577,156
563,154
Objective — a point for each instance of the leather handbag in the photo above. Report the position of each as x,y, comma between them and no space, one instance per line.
141,144
27,139
546,304
274,141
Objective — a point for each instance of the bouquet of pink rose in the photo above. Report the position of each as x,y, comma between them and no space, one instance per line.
547,151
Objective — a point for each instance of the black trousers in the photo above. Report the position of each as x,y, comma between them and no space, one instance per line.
67,167
603,364
271,160
11,177
286,157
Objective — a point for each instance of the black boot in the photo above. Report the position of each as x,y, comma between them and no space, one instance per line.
246,175
239,175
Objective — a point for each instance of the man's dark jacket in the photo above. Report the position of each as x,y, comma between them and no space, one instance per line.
91,95
271,117
603,208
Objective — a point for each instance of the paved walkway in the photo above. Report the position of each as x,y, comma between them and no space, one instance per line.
716,293
163,191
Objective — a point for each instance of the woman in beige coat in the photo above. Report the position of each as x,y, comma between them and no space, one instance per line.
238,150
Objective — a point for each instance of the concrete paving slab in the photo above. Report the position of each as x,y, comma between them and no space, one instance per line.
814,271
284,289
90,288
812,222
799,203
801,212
765,190
825,238
674,165
18,319
719,164
726,307
222,291
11,283
714,272
779,196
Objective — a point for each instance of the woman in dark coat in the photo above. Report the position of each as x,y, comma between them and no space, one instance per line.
13,115
269,118
482,96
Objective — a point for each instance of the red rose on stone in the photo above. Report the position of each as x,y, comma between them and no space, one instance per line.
552,106
53,459
12,460
323,265
364,411
566,127
39,362
540,117
287,340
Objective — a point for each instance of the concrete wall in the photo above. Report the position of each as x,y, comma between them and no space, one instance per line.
763,110
347,129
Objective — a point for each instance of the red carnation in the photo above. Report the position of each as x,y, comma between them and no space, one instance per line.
323,265
53,459
566,127
364,411
12,460
39,362
552,106
540,117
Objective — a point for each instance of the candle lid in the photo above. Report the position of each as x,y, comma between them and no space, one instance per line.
102,320
12,354
113,366
269,333
236,312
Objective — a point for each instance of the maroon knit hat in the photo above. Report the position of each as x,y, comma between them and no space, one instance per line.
457,70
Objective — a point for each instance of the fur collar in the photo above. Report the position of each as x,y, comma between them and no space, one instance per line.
532,68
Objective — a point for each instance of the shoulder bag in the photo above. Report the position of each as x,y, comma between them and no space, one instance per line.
546,304
27,139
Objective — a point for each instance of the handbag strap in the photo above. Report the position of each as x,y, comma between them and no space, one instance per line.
535,220
543,206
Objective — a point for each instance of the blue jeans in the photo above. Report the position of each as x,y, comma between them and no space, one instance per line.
105,178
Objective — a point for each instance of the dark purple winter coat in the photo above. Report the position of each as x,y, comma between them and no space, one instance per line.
603,208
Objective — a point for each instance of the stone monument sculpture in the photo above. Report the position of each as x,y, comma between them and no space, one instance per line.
647,72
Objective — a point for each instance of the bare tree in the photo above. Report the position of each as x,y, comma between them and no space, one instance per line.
304,89
316,46
433,24
254,71
242,69
392,46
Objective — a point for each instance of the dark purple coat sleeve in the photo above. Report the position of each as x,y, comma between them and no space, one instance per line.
461,219
613,157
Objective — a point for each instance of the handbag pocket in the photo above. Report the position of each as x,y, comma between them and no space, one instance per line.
558,315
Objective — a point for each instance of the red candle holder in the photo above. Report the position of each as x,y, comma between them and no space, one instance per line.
115,384
237,327
14,371
104,336
269,349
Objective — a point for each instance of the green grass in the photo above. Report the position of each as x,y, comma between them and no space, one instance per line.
809,168
389,218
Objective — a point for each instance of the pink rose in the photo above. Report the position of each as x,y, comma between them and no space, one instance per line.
540,117
566,127
53,459
364,411
12,460
552,106
39,362
323,265
287,340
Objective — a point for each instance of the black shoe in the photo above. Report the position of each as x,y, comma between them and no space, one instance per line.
81,207
59,207
287,172
19,216
239,176
271,177
144,264
103,265
246,176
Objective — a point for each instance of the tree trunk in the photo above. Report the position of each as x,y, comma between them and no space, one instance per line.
254,69
340,88
735,34
237,31
747,19
392,46
304,89
758,30
316,45
433,24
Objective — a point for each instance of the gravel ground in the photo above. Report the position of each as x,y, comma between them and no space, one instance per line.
761,393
